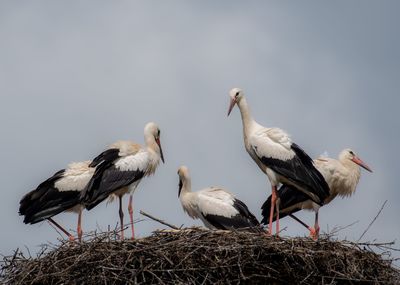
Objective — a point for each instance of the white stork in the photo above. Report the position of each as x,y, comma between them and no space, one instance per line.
216,207
342,176
57,194
278,157
120,168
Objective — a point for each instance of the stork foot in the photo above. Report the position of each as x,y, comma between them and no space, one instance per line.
314,233
71,238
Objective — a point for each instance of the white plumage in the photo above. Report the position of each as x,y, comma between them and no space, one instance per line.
213,201
76,177
138,161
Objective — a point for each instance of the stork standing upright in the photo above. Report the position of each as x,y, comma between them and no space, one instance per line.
216,207
57,194
278,157
120,168
342,176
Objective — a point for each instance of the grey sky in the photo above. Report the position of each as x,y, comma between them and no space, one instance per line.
76,76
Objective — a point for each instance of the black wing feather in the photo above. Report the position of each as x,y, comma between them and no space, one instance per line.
47,201
245,220
107,156
301,171
102,162
104,182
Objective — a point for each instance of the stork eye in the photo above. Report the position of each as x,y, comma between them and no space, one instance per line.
237,94
158,133
351,152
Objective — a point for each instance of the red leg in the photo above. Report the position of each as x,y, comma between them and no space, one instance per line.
277,211
70,237
130,209
121,217
79,229
271,213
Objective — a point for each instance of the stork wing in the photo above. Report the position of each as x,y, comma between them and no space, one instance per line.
107,156
113,175
273,143
47,200
222,210
117,149
290,161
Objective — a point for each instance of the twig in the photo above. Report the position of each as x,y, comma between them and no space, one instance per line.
160,221
370,224
337,229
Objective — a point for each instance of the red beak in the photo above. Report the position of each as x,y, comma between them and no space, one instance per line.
161,153
361,163
231,105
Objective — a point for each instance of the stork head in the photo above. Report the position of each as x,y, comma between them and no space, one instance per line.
183,173
152,131
350,155
236,94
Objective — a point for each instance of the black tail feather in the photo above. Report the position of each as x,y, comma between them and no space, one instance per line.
41,204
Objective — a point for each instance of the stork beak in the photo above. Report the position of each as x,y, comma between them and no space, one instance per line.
361,163
231,105
180,187
161,153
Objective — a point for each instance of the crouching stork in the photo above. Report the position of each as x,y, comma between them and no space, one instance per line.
215,207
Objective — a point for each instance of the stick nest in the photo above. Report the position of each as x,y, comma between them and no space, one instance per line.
196,256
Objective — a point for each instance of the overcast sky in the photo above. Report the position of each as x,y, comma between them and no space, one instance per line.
76,76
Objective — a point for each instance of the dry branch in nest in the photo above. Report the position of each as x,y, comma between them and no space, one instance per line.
196,256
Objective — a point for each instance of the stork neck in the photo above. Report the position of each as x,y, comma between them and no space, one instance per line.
247,119
152,145
149,140
185,185
353,174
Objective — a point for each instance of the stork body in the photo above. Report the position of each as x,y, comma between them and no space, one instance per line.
278,157
215,207
342,176
57,194
120,168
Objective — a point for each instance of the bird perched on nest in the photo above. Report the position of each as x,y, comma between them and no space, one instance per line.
57,194
120,168
278,157
215,207
342,176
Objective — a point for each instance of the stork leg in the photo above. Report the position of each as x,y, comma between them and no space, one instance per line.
70,237
130,209
79,228
313,231
121,217
277,212
271,213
